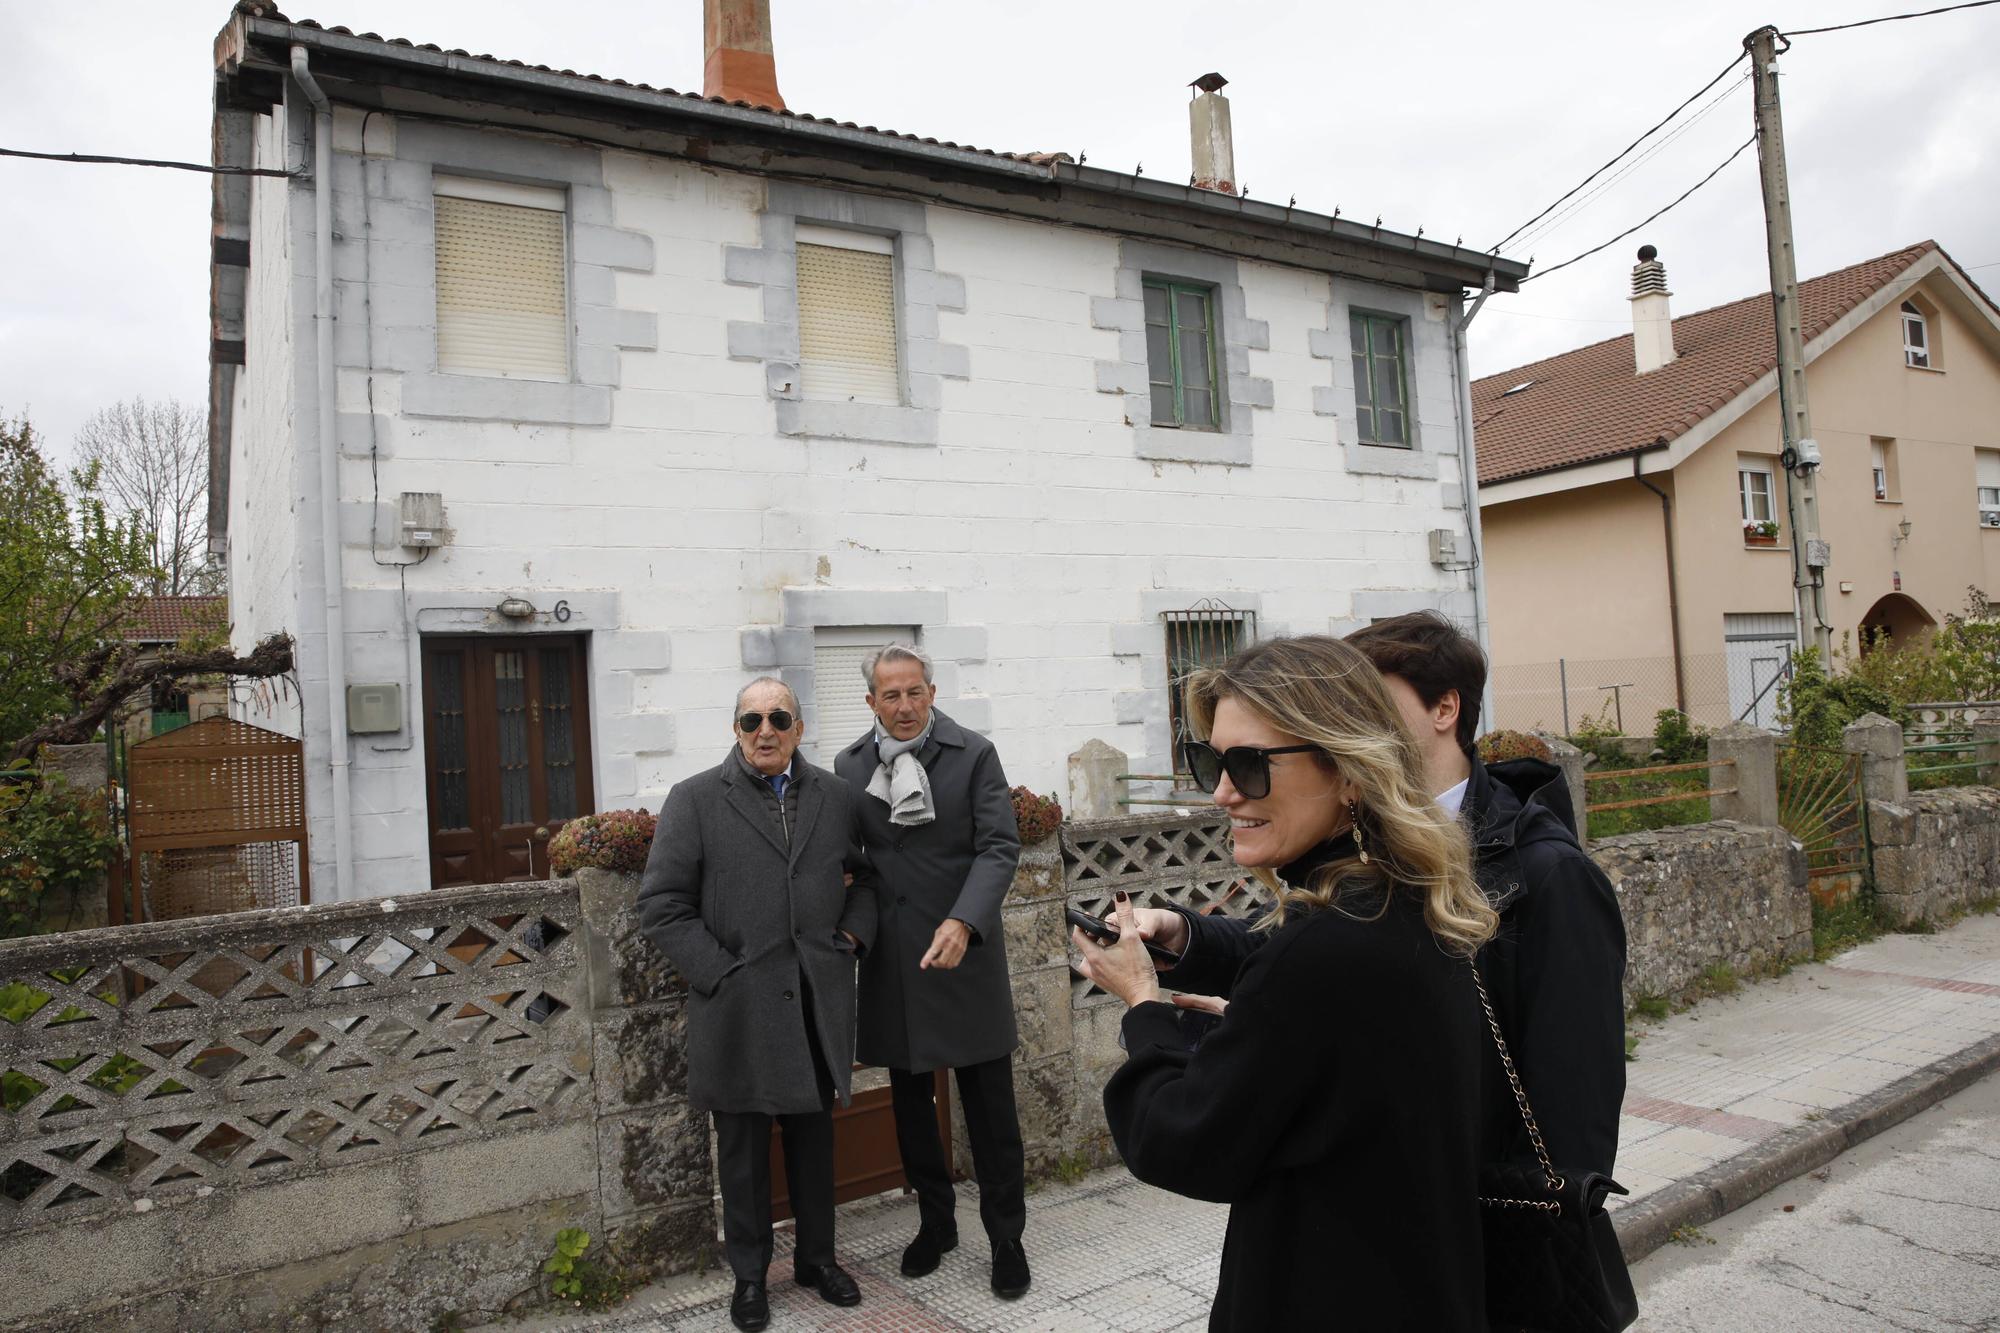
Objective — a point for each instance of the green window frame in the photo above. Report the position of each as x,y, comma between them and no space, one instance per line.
1180,354
1381,379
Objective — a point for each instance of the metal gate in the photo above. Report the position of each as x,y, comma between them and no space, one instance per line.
1820,803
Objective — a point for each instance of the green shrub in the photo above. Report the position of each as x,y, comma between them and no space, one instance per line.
615,840
1679,740
53,841
1815,705
1036,816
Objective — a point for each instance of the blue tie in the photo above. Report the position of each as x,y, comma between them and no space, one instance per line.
778,782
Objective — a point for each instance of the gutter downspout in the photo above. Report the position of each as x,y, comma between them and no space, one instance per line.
1673,579
329,474
1468,468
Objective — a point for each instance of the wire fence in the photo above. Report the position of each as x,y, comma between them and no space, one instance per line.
1626,693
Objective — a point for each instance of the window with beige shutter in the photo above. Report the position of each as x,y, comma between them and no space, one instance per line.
840,712
847,317
502,294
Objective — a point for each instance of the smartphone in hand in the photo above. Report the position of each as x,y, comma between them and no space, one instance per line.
1106,933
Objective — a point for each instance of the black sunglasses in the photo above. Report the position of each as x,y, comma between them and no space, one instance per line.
780,721
1248,766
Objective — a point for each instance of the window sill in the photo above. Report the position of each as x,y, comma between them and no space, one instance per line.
1890,501
1928,370
1758,546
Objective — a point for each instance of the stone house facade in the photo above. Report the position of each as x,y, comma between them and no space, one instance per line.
548,409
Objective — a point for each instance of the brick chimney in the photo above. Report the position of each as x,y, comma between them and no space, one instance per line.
738,65
1208,132
1652,321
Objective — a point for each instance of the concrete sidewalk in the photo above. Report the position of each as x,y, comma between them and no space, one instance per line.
1724,1102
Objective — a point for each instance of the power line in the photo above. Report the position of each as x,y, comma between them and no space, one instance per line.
97,159
1634,144
1535,234
1662,213
1889,18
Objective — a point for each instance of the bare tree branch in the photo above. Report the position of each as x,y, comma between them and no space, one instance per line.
154,464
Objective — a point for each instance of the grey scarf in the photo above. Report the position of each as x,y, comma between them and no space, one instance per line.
900,781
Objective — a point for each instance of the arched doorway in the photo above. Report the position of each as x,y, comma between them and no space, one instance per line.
1894,621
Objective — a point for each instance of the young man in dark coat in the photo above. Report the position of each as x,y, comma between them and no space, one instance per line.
744,893
938,822
1555,969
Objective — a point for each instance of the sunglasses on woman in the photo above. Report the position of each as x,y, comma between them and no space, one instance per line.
1248,766
780,721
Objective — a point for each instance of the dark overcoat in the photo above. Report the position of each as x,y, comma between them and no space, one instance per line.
752,923
1333,1110
959,865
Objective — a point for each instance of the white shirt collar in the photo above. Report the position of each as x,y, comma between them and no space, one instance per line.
1452,799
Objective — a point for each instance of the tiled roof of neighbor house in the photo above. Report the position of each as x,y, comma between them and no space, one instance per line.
1590,404
169,619
266,10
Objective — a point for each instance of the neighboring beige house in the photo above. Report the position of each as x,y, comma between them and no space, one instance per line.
1635,510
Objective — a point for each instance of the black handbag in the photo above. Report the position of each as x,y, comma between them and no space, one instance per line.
1553,1264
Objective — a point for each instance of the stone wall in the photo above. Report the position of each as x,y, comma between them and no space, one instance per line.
1936,852
1706,894
348,1115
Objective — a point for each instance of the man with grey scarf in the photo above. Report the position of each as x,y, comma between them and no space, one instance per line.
938,822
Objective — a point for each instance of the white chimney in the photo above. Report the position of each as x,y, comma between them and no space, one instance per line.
1208,131
1652,322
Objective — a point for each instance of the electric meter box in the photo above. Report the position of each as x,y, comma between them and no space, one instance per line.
422,513
374,709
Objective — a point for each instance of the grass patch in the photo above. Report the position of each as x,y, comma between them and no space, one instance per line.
1632,1040
1841,927
1652,1008
1717,979
1690,1235
1072,1167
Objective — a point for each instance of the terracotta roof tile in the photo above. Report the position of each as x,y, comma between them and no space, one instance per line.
1589,404
265,10
169,619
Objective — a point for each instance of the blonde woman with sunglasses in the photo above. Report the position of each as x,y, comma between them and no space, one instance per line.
1334,1106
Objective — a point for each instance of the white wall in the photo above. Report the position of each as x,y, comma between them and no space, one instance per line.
1032,543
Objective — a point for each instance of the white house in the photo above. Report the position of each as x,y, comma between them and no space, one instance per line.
548,409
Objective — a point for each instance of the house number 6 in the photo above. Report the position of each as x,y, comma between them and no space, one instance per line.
561,612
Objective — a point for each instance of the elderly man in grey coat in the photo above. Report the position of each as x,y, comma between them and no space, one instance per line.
747,893
939,825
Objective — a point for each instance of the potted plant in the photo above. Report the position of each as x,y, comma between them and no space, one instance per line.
1760,532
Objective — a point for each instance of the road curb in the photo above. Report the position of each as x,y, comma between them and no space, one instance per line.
1728,1185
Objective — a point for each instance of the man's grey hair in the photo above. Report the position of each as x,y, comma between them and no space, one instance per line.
895,652
790,693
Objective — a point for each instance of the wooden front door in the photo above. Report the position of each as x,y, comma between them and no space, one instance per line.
506,753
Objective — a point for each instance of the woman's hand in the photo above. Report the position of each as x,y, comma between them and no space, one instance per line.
1166,928
1125,969
1207,1004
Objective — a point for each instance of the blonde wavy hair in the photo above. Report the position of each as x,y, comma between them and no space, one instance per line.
1329,695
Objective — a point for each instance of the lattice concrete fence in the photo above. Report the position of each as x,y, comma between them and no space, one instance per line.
358,1115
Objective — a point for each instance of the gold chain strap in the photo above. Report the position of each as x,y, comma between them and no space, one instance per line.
1554,1181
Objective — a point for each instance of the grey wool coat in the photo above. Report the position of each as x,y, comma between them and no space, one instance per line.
751,923
959,865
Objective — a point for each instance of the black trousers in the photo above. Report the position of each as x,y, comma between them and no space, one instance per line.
743,1169
986,1091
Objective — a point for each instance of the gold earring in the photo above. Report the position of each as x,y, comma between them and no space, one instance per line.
1354,827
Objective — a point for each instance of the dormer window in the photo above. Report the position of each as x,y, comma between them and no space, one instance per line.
1916,337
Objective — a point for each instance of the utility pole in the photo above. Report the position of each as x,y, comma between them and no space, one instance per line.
1810,553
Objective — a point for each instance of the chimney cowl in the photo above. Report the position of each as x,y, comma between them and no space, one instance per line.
1210,137
1652,315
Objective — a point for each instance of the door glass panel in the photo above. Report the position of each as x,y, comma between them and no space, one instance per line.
1156,305
448,725
1159,354
1362,399
1163,405
558,735
510,706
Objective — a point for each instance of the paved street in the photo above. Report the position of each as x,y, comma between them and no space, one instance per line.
1903,1232
1721,1088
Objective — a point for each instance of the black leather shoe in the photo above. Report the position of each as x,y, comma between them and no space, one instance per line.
750,1307
832,1282
922,1256
1010,1269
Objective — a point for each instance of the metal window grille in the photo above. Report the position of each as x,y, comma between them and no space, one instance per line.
1180,353
1203,635
1381,396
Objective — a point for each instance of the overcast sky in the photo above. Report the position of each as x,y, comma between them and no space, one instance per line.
1462,118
